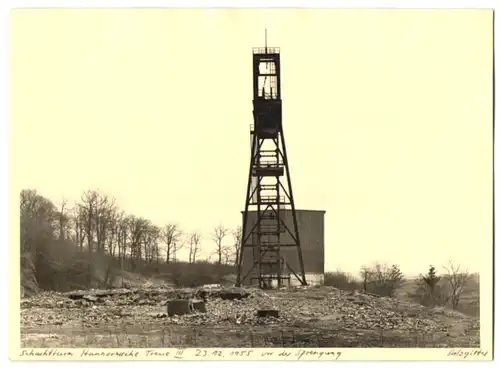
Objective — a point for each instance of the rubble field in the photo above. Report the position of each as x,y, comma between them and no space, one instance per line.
307,316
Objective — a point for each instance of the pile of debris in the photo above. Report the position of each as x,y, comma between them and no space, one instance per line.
323,307
154,295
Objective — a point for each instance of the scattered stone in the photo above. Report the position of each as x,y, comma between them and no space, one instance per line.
81,294
359,302
90,298
158,315
371,294
307,307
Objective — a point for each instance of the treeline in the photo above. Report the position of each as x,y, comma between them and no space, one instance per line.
429,289
380,279
92,242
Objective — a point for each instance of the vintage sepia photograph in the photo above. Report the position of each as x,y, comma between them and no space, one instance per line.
251,178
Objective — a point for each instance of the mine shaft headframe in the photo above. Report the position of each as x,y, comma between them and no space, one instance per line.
269,189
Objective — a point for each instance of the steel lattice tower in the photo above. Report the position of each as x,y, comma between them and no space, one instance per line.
269,189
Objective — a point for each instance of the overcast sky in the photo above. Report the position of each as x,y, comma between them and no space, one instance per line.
387,118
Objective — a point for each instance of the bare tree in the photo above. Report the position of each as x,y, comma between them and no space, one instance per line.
384,279
151,238
177,246
171,235
136,228
121,238
37,216
227,255
366,274
37,225
237,237
194,246
96,214
36,207
121,235
88,208
63,220
113,231
105,213
79,223
220,232
456,280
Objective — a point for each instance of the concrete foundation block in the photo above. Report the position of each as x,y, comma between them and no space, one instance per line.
268,313
179,307
199,306
233,294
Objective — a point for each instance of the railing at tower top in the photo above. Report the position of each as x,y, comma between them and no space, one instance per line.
273,199
282,201
266,50
268,164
